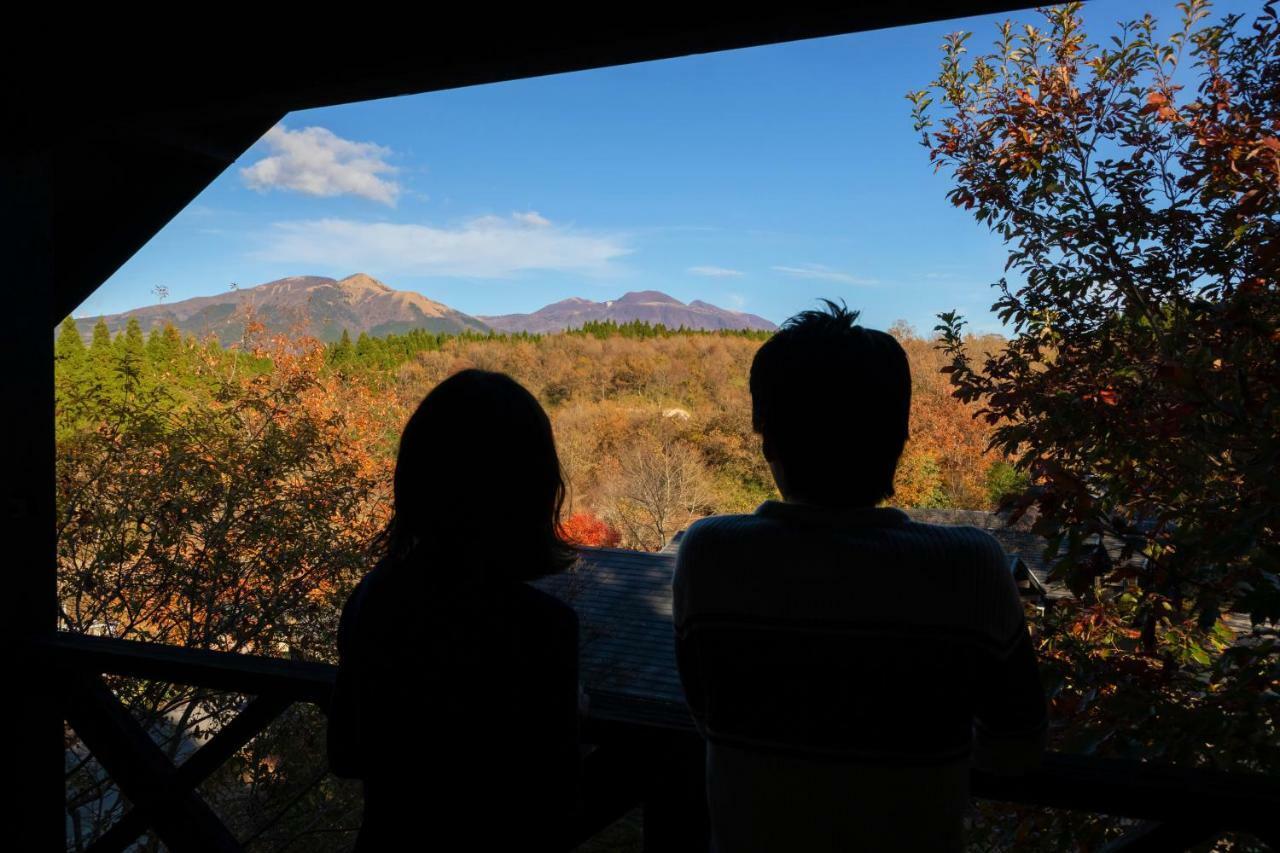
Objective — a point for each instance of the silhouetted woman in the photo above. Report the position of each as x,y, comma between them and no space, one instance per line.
457,695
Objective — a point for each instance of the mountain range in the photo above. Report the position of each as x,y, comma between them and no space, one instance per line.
326,307
650,306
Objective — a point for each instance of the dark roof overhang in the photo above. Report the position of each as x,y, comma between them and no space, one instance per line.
133,123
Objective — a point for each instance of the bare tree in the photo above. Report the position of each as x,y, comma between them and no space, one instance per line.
661,486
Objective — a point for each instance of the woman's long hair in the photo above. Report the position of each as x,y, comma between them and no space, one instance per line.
478,485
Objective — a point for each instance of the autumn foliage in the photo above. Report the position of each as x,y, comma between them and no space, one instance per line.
211,499
1137,185
584,529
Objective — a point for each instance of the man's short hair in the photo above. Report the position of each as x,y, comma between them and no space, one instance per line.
831,401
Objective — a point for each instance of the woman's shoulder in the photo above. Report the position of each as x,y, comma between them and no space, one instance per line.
376,597
352,609
541,604
369,586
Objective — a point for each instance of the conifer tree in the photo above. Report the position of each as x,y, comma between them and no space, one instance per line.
71,378
164,349
69,350
131,355
101,341
101,355
153,344
364,348
343,353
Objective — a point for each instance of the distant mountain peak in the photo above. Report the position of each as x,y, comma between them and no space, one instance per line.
362,283
646,297
571,303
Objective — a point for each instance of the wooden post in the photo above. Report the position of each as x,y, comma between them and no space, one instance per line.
675,797
33,725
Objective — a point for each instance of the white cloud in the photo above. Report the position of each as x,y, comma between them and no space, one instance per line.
315,161
531,217
715,272
824,273
485,247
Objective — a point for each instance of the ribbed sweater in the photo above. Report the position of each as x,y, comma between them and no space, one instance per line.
842,666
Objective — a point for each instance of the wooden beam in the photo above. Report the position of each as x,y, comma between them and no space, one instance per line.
117,186
1159,836
255,717
1124,788
611,787
185,824
125,74
252,675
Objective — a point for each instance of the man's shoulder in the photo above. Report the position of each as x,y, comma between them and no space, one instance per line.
713,536
713,544
960,543
714,527
975,570
956,531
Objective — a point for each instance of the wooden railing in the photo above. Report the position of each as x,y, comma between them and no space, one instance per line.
1178,807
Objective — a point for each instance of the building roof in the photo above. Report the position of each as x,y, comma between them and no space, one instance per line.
623,599
1019,540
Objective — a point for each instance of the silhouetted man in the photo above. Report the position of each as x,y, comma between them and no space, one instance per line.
844,663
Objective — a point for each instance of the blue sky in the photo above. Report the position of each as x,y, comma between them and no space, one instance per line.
758,179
